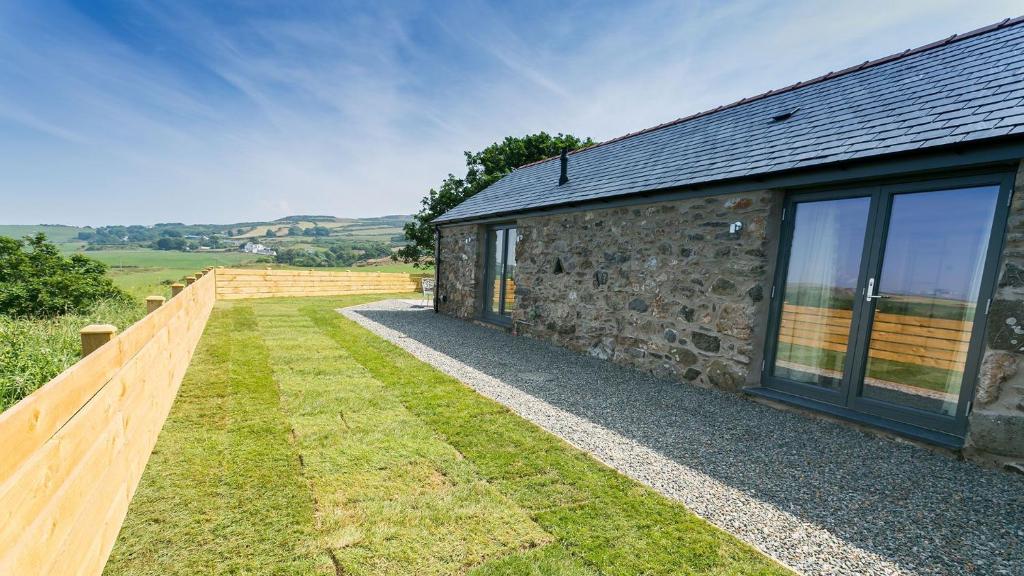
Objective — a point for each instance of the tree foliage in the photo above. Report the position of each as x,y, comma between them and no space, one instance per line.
345,253
317,230
482,169
37,281
170,243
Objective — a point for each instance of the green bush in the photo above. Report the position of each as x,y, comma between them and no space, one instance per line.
37,281
33,351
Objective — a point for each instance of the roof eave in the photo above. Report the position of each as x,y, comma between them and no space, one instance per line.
949,157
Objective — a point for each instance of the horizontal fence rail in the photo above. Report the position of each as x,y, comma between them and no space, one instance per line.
241,283
934,342
72,453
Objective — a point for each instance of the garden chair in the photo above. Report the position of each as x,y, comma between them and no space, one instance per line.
427,285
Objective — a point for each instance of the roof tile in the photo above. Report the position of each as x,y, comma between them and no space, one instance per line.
969,89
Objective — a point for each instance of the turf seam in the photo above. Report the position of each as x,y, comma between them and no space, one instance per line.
533,515
401,343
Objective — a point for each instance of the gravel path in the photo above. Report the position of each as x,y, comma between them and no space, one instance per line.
819,497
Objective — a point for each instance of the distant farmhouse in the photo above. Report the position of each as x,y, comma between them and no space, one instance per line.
256,248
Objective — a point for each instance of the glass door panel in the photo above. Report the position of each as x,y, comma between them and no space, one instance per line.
819,291
499,281
509,299
925,297
495,270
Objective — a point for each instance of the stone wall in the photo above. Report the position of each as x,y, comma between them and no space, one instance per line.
459,272
663,287
996,425
666,288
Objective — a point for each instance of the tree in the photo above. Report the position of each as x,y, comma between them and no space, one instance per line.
37,281
170,243
294,231
482,169
270,233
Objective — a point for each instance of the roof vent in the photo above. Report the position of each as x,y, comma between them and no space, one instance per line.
781,116
564,177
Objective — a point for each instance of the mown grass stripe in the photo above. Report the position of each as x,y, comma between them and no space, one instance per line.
222,493
393,498
612,523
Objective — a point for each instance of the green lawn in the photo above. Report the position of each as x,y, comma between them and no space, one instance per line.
301,443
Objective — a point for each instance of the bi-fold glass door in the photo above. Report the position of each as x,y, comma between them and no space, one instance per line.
881,294
500,277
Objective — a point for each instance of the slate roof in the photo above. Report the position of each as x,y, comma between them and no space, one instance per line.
963,88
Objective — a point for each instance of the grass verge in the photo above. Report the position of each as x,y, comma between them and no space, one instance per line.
33,351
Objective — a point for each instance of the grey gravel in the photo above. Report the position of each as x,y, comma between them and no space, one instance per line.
819,497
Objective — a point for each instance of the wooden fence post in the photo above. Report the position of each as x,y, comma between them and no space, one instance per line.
176,289
153,302
198,275
94,336
189,280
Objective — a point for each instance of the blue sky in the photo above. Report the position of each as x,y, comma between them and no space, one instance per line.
149,111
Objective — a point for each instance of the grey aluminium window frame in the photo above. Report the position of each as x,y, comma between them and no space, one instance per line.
488,292
847,403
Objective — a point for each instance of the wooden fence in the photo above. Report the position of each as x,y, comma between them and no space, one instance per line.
73,452
510,293
241,283
934,342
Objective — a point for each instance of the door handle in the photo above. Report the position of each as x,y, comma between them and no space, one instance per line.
871,288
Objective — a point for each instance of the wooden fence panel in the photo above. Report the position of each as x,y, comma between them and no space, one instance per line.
241,283
73,452
935,342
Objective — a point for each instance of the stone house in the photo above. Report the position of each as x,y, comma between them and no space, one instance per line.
850,245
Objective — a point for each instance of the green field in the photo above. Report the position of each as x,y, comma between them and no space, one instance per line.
142,272
359,459
395,267
65,237
57,233
378,229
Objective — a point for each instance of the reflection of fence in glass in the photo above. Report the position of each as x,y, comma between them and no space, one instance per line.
510,294
920,341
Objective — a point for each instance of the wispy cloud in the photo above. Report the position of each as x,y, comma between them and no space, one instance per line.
166,110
